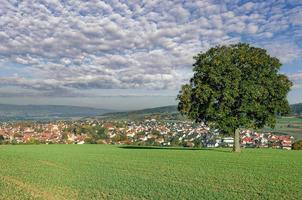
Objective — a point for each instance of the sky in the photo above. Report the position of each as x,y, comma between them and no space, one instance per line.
126,55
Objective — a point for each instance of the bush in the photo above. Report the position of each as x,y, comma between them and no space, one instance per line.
100,141
1,139
14,142
33,141
89,141
297,145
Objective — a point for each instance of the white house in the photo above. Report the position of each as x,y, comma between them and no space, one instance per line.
228,140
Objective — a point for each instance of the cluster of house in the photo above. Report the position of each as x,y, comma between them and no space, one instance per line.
147,132
254,139
16,133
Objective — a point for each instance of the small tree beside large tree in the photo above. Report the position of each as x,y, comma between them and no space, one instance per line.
234,87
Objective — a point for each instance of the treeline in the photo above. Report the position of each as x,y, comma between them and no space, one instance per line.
95,133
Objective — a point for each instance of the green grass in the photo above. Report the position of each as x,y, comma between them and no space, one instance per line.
288,126
110,172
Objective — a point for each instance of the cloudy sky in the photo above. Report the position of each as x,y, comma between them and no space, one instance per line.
120,55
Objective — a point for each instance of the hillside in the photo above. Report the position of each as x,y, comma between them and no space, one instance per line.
296,108
172,109
141,113
38,112
31,112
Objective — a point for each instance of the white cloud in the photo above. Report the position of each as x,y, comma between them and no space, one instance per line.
284,49
252,28
248,6
296,78
118,44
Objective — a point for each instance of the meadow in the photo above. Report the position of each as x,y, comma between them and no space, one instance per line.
111,172
288,126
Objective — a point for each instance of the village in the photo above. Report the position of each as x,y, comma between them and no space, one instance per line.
148,132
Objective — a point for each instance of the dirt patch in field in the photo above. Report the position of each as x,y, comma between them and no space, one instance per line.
52,164
32,190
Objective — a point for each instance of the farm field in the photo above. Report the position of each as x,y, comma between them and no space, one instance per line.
111,172
289,126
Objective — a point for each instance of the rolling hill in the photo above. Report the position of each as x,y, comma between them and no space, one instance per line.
140,113
38,112
296,108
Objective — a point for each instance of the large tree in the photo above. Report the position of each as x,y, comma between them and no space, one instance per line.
234,87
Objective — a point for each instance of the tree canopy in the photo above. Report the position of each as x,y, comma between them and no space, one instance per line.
235,86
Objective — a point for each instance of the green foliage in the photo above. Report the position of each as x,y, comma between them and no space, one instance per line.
100,141
119,137
33,141
101,133
64,136
175,141
235,86
109,172
297,145
89,140
1,139
14,142
95,132
98,133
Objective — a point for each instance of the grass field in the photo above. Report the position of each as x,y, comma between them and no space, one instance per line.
289,126
110,172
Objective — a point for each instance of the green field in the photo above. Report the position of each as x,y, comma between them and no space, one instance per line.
110,172
289,126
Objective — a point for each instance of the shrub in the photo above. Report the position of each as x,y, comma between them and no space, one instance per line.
297,145
100,141
1,139
14,142
33,141
89,140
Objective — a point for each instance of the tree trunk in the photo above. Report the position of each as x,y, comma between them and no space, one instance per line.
236,146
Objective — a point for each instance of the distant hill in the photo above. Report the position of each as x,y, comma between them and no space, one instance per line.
129,114
37,112
297,108
49,112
